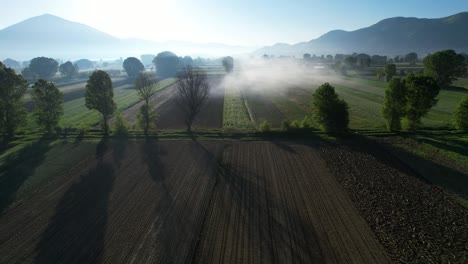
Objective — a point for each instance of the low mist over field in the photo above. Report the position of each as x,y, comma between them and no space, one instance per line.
276,74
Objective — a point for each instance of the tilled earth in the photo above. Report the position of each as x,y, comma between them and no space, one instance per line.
188,201
415,221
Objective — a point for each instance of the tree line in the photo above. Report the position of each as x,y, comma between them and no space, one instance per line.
192,92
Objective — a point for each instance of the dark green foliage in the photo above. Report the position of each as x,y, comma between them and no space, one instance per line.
43,67
390,71
12,89
421,93
48,104
461,115
146,118
146,84
28,74
285,125
350,61
84,64
379,73
228,63
99,96
394,104
68,69
363,60
133,66
167,64
120,125
265,126
444,66
330,112
411,57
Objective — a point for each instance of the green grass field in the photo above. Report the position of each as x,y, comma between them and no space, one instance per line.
76,113
365,98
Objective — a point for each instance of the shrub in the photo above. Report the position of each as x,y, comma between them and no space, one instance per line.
120,125
306,123
461,115
285,125
265,126
295,125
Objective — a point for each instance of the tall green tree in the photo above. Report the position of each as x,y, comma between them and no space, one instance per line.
68,69
228,63
167,64
329,111
444,66
411,57
43,67
461,115
394,104
421,93
48,104
99,96
390,71
146,86
12,89
133,66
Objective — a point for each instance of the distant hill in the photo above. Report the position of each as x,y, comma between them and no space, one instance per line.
52,36
392,36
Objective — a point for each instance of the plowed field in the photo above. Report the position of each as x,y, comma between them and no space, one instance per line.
186,201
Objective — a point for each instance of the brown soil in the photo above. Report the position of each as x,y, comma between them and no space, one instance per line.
414,220
186,201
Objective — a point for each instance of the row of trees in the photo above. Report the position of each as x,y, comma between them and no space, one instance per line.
362,60
48,102
407,100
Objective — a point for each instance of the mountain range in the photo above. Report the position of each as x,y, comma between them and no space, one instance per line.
392,36
52,36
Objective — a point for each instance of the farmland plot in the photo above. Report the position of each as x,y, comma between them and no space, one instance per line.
211,116
128,203
277,203
133,202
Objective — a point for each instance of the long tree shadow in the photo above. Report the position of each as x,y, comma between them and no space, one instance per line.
18,167
165,232
76,231
283,234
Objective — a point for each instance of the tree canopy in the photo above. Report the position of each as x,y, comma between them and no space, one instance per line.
394,104
12,89
43,67
228,63
84,64
444,66
10,63
390,71
48,104
68,69
133,66
99,96
329,111
411,57
167,64
461,114
421,93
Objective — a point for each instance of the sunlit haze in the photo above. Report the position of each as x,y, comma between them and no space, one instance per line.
246,23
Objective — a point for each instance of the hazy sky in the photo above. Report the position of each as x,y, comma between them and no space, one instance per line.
238,22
